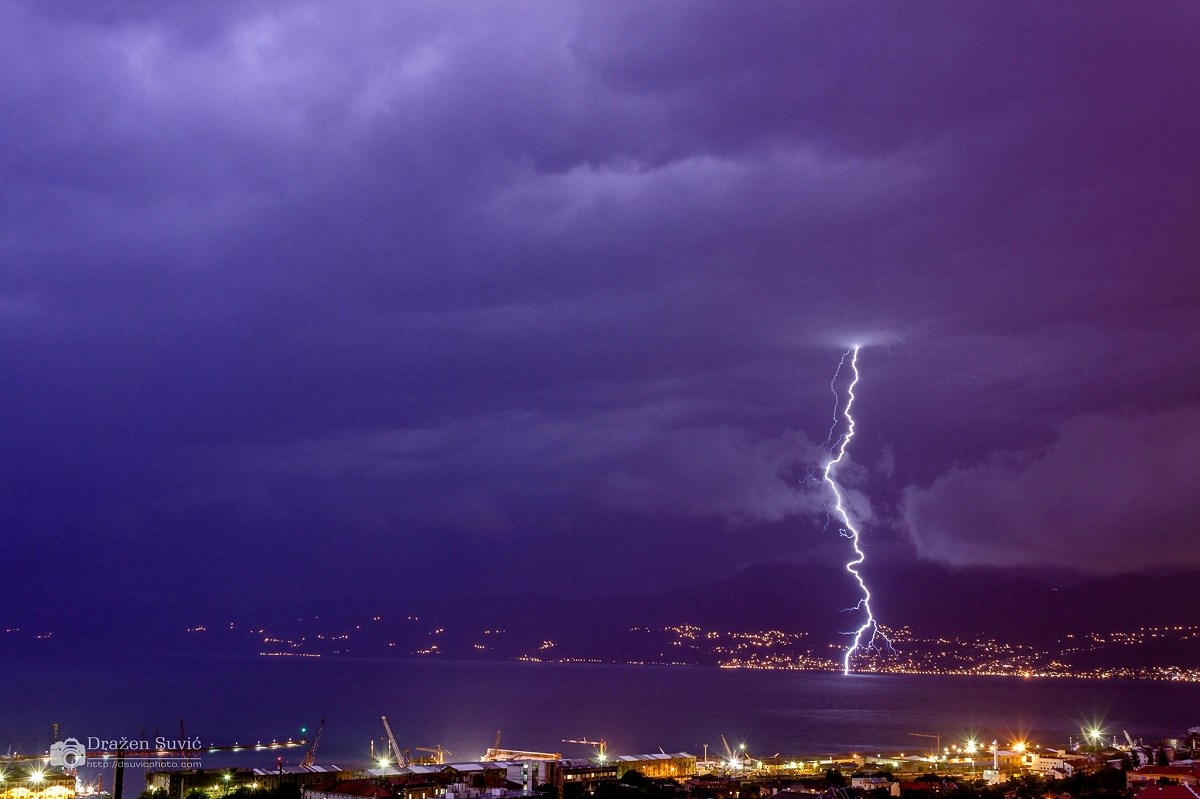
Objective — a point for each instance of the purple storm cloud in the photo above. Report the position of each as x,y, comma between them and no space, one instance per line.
391,284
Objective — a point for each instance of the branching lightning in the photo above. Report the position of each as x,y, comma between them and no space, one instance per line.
868,636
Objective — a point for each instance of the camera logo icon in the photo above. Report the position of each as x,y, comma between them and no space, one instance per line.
68,754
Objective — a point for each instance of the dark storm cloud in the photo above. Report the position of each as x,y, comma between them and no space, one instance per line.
1111,493
314,280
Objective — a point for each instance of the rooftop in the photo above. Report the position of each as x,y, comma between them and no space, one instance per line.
1168,792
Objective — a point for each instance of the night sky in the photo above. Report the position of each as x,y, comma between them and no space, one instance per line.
406,299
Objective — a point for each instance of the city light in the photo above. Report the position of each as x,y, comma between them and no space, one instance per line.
1018,746
37,776
972,746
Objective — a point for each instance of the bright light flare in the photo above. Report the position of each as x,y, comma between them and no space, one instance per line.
871,642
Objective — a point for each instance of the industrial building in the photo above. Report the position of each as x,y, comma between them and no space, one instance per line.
217,782
679,765
32,780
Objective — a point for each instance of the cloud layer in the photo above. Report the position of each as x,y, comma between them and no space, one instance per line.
1110,494
402,284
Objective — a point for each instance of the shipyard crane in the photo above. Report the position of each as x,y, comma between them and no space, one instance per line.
602,745
936,738
183,737
496,754
439,753
401,760
734,759
310,756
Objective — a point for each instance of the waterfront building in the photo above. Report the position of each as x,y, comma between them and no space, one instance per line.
33,780
217,782
679,765
1153,775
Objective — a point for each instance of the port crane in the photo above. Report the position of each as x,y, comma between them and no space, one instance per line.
438,753
310,756
397,753
497,754
936,738
735,759
601,745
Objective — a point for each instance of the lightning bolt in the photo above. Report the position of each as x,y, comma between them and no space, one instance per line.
867,636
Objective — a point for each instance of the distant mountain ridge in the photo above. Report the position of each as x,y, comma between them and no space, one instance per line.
806,602
926,596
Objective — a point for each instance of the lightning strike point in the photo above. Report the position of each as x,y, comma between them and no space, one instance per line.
866,637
